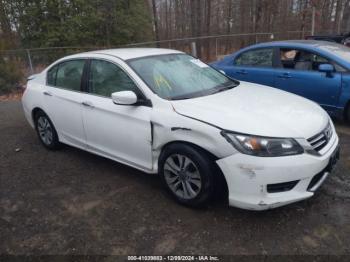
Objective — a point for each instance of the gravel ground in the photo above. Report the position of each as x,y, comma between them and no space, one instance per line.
73,202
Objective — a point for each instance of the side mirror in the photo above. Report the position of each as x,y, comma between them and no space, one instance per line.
124,98
326,68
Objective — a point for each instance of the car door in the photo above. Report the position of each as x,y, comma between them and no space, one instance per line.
121,132
63,97
298,73
253,66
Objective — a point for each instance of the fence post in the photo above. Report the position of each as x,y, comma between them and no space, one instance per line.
193,49
30,61
313,20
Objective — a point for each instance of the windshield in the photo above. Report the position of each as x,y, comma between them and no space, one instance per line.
180,76
339,50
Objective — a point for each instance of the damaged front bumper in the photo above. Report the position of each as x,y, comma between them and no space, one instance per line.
260,183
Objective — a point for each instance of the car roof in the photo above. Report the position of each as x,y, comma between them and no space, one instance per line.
131,53
298,43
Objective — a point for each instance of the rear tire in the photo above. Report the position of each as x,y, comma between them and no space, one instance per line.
187,174
46,131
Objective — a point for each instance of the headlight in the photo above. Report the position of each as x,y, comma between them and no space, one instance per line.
263,146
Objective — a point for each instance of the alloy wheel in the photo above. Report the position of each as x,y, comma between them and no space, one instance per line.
45,130
182,176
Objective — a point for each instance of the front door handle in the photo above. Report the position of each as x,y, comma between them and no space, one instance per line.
285,75
87,104
47,93
242,72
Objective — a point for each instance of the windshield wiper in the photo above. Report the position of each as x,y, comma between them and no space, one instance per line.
223,88
216,89
181,97
227,87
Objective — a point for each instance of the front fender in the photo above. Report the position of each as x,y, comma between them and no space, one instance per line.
171,127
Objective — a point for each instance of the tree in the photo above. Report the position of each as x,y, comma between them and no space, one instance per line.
45,23
155,21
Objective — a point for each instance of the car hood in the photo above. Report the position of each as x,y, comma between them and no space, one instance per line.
257,110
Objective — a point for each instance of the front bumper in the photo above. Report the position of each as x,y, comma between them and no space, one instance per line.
252,180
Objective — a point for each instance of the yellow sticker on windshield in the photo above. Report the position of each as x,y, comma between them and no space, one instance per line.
161,81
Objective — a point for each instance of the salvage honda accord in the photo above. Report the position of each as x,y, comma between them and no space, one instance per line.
162,111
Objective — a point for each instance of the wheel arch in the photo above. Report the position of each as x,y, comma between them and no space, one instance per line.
55,142
35,111
218,173
39,109
183,142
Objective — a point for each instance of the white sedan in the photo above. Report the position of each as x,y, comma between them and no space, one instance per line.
162,111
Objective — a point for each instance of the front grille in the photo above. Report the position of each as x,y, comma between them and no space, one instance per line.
321,139
281,187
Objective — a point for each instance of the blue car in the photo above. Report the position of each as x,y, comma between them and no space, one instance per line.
316,70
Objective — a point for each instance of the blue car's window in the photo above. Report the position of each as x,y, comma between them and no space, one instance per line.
304,60
257,57
341,51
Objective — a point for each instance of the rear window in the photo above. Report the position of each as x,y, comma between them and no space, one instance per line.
67,75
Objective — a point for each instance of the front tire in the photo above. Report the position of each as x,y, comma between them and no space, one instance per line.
46,131
187,174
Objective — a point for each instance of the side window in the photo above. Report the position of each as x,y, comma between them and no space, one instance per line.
339,68
304,60
107,78
287,58
69,74
51,76
301,60
258,57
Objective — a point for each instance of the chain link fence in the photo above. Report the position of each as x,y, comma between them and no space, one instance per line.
207,48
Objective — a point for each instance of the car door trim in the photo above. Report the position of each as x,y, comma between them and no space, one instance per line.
98,152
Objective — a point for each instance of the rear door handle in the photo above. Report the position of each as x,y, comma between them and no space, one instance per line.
242,72
87,104
285,75
47,93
